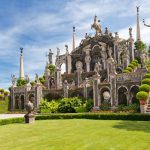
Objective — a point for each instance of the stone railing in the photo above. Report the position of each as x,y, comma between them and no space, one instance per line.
133,77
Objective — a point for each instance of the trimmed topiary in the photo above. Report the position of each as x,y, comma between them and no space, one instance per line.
1,90
131,65
134,63
126,71
146,81
142,95
147,75
129,69
144,87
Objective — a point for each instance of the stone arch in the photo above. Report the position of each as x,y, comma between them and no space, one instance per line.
133,91
16,102
76,94
122,95
63,63
96,56
119,70
96,46
22,102
90,95
102,90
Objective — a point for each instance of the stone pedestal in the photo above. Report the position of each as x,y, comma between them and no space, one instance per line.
29,118
142,109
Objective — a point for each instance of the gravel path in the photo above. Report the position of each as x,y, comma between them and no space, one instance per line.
5,116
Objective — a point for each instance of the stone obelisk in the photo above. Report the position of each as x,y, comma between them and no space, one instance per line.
73,39
21,64
138,36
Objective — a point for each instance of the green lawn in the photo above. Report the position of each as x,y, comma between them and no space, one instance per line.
76,134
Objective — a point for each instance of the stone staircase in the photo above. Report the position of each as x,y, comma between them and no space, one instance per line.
148,107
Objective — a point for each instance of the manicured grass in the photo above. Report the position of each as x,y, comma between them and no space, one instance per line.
76,134
4,106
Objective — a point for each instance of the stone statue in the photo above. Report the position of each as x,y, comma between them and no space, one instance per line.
130,32
27,78
67,49
106,31
106,96
96,26
143,59
37,78
13,79
29,116
110,52
98,68
29,107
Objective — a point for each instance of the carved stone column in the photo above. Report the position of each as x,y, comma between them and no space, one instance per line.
68,64
85,87
58,78
113,90
65,88
96,96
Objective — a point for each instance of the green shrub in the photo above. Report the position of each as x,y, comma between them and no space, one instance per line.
129,69
130,108
147,75
146,81
134,63
105,106
6,93
144,87
142,95
32,83
131,66
81,109
68,105
126,71
21,82
48,107
89,105
1,90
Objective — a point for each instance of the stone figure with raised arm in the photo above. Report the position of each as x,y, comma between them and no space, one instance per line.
96,26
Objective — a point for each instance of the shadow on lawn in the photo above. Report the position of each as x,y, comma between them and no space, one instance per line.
134,125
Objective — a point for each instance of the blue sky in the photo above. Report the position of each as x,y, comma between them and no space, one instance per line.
37,25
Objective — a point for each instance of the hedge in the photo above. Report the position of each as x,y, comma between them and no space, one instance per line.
95,116
11,121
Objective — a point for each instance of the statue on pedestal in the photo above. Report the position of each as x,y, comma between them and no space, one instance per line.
13,80
96,26
29,116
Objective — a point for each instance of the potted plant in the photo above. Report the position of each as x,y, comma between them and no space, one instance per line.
142,96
